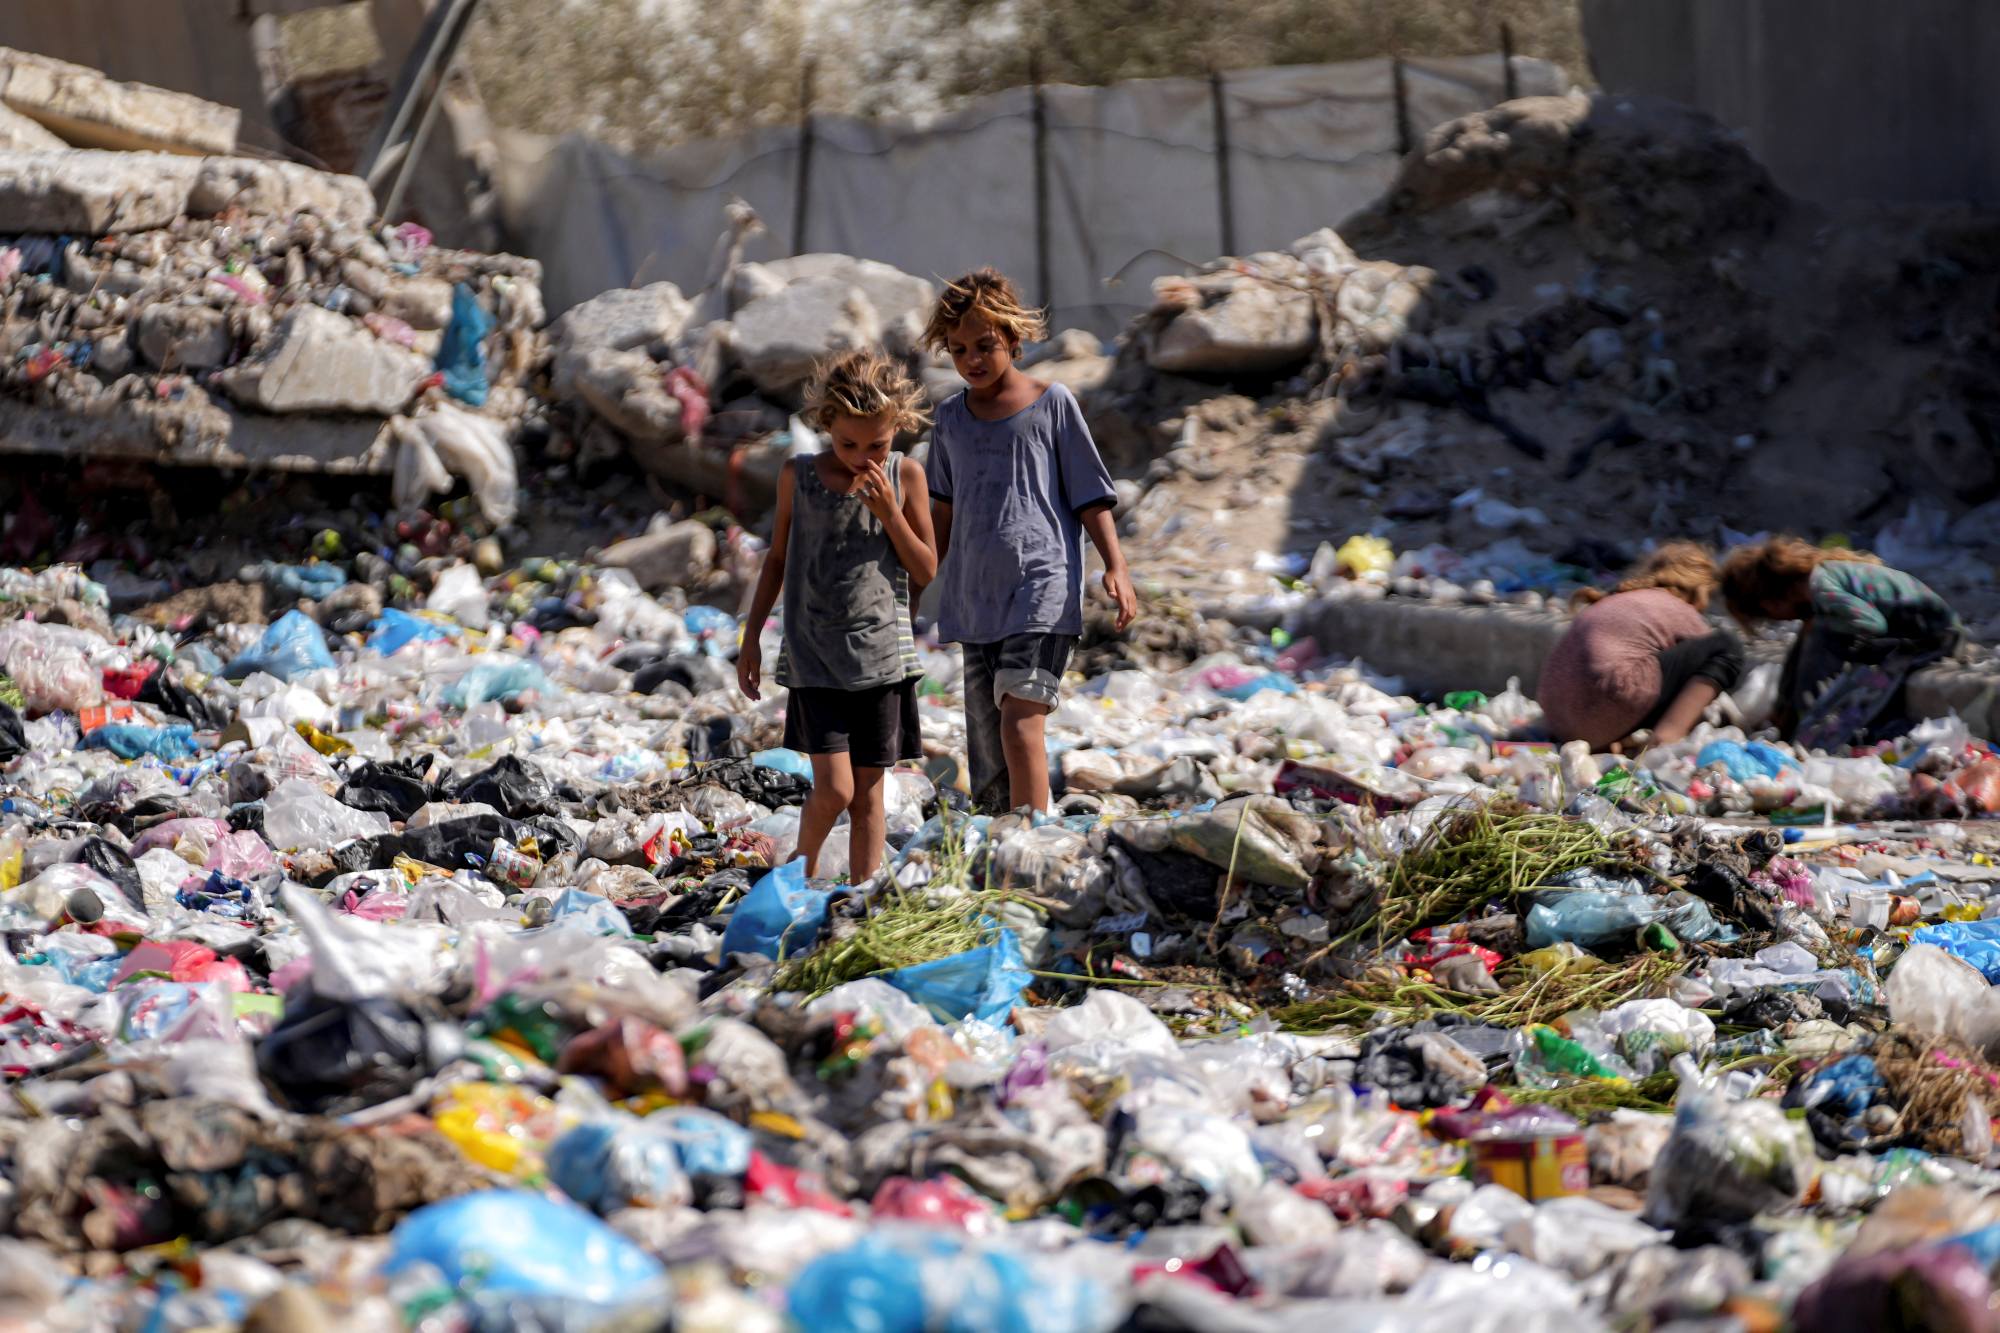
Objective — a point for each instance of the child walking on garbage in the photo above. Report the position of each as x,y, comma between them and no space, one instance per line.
1864,628
853,532
1644,658
1016,478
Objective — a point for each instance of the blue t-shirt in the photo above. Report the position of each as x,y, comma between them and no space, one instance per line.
1015,488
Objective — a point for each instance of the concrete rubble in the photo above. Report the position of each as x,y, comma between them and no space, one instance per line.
82,107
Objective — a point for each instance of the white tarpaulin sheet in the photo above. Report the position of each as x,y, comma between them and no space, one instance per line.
1133,185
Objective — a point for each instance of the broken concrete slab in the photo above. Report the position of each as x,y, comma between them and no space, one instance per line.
626,390
902,301
91,111
1235,325
625,320
184,337
317,361
91,193
278,189
671,558
777,338
196,434
422,303
18,132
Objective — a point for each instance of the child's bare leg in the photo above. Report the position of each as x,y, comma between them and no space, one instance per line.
1685,711
833,791
867,821
1023,727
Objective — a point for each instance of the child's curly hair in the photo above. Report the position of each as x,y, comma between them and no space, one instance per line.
1753,577
863,383
987,292
1685,569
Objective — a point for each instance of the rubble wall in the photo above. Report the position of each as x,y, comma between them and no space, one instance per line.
1132,171
1840,99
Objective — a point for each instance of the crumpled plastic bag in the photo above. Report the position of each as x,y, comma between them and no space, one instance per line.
1930,991
448,441
291,646
1262,836
1728,1160
299,815
780,916
983,983
904,1278
513,1241
1973,942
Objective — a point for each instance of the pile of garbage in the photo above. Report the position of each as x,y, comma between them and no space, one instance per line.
449,963
1561,313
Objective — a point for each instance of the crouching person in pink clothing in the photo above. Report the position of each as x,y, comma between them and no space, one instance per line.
1644,658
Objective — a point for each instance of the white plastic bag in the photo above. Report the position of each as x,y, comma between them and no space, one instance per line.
299,815
461,594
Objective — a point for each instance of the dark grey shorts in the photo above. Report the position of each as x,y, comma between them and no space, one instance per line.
1028,667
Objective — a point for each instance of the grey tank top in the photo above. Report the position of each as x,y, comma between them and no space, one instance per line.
847,595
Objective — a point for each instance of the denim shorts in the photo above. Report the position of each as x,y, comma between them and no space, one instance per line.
1028,667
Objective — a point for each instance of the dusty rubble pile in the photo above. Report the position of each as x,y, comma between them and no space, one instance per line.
433,966
1569,319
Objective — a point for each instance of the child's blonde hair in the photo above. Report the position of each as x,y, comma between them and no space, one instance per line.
1685,569
1753,577
990,293
863,383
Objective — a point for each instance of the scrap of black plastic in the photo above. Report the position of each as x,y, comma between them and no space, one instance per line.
333,1056
514,787
171,696
447,844
684,909
395,788
715,740
552,836
696,673
115,864
13,733
247,817
1182,884
766,786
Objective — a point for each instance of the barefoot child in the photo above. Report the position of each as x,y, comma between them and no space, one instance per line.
1643,657
1864,628
853,531
1017,479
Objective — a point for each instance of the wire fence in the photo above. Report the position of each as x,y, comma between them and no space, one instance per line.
1083,194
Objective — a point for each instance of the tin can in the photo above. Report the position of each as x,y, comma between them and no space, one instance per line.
1541,1166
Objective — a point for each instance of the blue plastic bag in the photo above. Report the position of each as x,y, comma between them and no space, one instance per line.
128,740
607,1165
507,678
1974,942
982,983
710,620
395,630
1270,680
291,646
311,582
784,761
779,917
708,1144
514,1241
1848,1085
1745,762
459,357
880,1284
595,911
1592,919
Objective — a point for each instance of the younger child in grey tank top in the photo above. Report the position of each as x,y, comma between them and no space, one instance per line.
851,537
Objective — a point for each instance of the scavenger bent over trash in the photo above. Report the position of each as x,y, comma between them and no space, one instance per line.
1015,473
853,530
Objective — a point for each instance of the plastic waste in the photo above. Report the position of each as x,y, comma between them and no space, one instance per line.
292,646
779,917
511,1241
983,983
299,815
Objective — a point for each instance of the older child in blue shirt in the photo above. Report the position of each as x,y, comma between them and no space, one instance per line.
1016,479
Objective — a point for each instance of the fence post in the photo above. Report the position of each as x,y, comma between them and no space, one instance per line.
802,186
1225,205
1508,79
1404,141
1044,288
